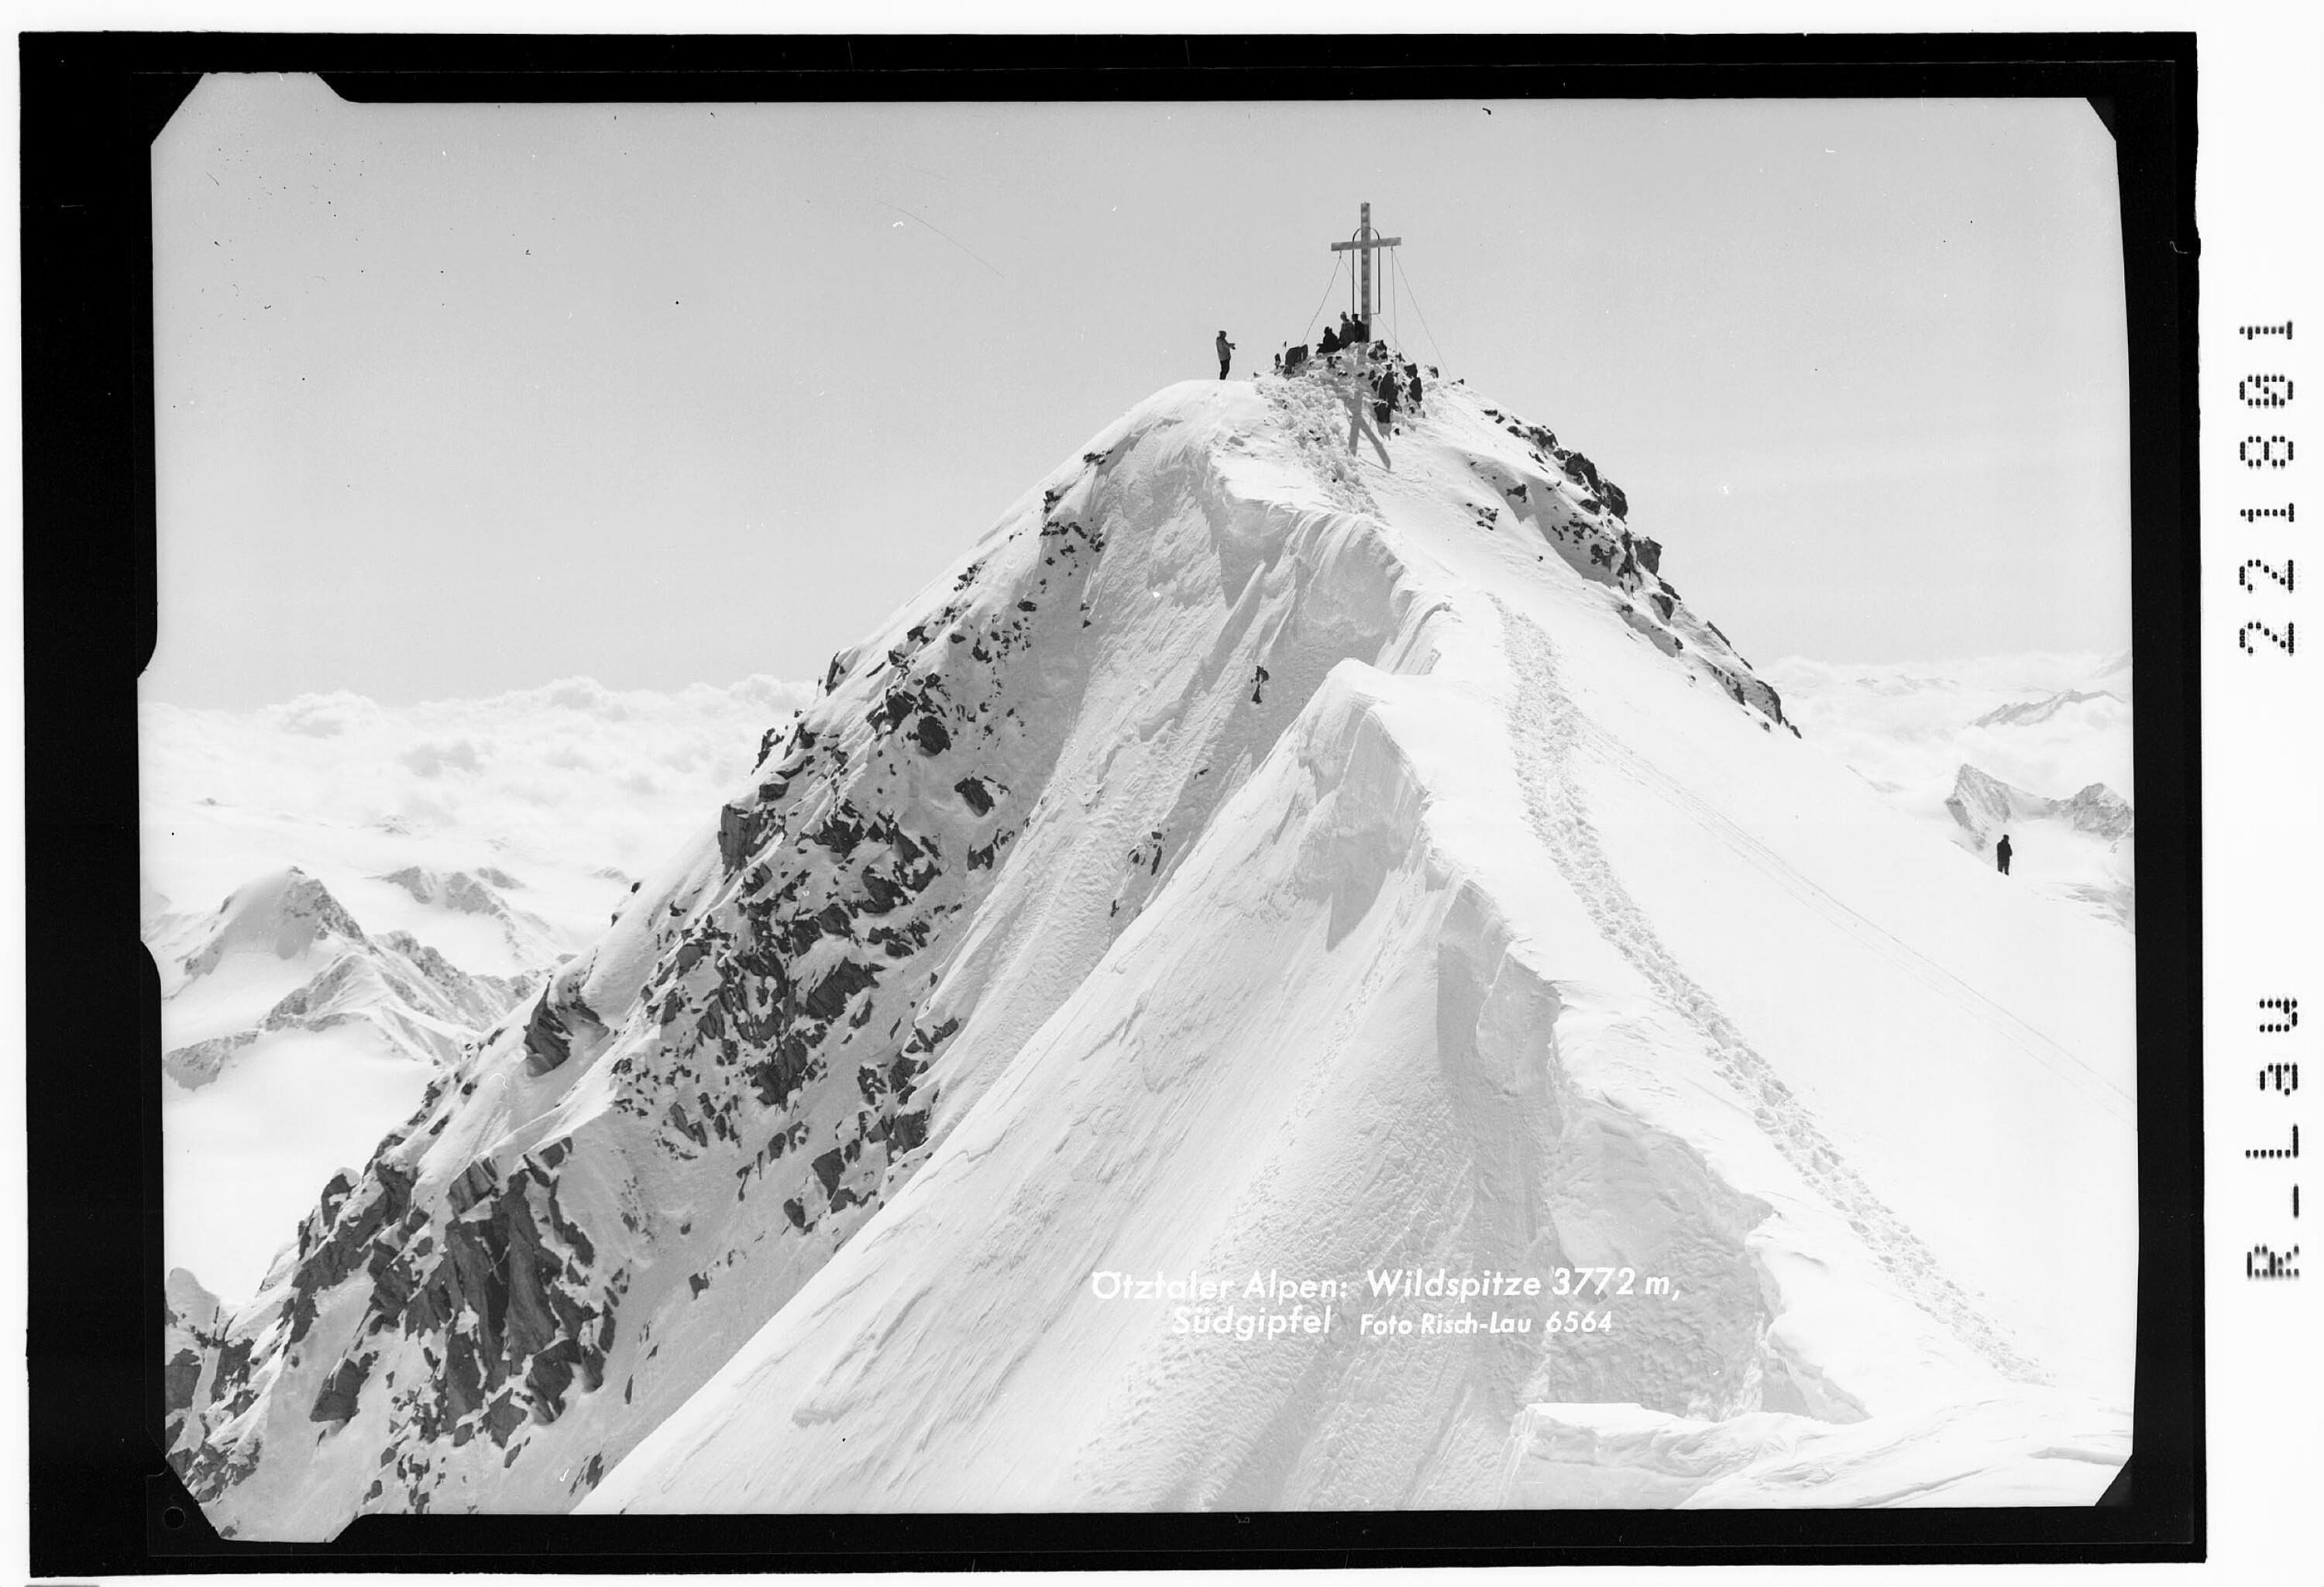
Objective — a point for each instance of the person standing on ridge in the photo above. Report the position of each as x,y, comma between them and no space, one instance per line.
1226,348
2001,854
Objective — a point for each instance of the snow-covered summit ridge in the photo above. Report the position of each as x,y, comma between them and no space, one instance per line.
1054,935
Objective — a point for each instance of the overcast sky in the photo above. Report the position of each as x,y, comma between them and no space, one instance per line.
456,399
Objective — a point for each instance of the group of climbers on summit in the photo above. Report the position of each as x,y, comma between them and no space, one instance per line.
1377,377
1392,387
1351,333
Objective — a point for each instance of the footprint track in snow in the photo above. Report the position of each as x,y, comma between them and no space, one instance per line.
1545,729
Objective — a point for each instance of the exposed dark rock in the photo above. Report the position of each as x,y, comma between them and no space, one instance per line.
477,1181
179,1379
907,1131
733,829
548,1039
829,999
828,1168
841,831
778,1077
880,894
972,790
336,1402
504,1417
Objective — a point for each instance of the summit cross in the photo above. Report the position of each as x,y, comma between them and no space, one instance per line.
1364,244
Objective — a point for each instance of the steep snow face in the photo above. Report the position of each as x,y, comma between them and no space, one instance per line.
1250,862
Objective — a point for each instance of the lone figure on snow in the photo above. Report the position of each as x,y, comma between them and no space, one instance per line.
2001,854
1225,348
1258,682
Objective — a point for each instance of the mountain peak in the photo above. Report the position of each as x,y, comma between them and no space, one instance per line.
1218,829
283,915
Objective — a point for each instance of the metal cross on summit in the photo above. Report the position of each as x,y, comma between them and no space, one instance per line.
1363,243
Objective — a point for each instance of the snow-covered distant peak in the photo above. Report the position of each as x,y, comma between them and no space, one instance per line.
1983,804
283,915
189,1302
2027,713
455,890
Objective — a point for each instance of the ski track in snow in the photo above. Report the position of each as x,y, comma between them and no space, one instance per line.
1546,730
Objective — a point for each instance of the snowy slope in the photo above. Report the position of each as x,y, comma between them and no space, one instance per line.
1938,739
1509,931
2079,848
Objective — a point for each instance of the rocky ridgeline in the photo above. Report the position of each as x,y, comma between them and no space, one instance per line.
1596,542
777,1046
1574,509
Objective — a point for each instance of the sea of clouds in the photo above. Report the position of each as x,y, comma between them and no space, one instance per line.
571,774
1909,727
